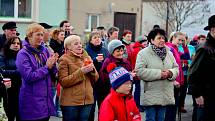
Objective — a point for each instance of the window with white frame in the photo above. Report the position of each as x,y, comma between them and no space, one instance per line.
15,9
92,21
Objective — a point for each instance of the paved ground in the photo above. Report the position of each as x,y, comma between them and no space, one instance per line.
189,107
184,116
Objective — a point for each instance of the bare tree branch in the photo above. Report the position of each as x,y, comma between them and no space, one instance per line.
181,12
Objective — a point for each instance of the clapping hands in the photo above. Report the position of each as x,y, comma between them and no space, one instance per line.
87,68
52,60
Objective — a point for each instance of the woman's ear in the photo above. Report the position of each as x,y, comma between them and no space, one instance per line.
30,36
152,40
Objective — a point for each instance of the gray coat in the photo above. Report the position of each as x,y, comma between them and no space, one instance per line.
149,67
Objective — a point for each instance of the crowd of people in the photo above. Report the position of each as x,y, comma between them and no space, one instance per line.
51,72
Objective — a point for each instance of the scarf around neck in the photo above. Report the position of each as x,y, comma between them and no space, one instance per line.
38,53
161,52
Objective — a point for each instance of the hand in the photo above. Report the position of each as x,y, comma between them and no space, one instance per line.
100,58
200,101
7,84
55,56
52,60
87,68
176,84
170,74
133,73
165,74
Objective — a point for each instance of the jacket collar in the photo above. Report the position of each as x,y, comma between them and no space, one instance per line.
93,47
71,53
125,42
37,50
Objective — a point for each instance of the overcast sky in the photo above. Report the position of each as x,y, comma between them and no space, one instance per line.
191,31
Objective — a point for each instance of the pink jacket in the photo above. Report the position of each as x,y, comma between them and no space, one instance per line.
176,54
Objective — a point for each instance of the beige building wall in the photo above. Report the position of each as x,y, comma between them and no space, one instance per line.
105,8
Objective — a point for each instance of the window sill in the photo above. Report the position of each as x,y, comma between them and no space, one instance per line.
87,30
16,20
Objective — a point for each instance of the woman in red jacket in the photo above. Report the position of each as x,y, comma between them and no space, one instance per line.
119,104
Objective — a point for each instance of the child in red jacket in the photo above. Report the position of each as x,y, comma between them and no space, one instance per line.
119,105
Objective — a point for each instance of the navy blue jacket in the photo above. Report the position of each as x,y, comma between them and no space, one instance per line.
9,70
93,51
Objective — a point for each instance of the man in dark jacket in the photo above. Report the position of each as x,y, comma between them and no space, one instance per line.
203,81
9,29
67,27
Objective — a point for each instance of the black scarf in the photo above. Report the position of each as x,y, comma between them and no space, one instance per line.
95,47
161,52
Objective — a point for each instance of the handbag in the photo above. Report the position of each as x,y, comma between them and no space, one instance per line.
3,116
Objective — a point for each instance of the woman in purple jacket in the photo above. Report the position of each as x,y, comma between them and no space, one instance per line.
35,66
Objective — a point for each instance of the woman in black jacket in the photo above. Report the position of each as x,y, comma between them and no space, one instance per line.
56,43
98,54
8,70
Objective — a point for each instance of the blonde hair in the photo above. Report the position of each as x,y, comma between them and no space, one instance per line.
55,33
68,41
32,28
175,34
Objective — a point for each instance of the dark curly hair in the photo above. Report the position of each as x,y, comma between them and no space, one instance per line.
154,32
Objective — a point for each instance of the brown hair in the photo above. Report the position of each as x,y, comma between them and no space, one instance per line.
7,45
55,33
94,34
111,30
201,36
